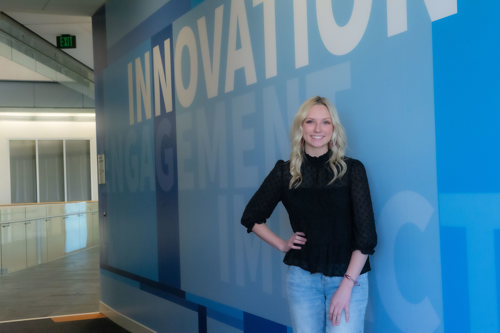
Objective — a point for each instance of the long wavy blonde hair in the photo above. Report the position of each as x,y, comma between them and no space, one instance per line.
337,144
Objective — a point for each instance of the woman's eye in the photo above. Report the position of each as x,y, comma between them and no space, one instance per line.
308,121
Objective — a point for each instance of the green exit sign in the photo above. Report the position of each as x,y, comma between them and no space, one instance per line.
66,41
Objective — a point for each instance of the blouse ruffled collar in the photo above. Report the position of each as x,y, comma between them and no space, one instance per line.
317,160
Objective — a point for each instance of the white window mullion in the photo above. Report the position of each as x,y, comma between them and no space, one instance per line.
37,167
65,173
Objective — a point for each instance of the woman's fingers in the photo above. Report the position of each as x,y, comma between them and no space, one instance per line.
300,238
335,317
297,240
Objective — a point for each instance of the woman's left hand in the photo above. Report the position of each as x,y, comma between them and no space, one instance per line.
340,302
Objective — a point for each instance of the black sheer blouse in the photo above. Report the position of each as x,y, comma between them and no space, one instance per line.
336,219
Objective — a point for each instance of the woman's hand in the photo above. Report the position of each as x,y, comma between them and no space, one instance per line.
295,242
340,302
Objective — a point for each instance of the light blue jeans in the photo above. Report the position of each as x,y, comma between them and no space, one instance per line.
309,296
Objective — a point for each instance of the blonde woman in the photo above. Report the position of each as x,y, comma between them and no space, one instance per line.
327,197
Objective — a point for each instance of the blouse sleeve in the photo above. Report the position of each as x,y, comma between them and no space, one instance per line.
262,204
364,234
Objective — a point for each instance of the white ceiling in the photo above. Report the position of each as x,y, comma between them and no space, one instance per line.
59,7
48,19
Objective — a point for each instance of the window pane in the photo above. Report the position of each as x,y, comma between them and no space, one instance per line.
51,170
23,171
78,170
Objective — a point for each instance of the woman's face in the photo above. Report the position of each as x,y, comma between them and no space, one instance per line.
317,130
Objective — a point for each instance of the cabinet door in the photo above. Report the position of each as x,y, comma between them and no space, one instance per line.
93,228
76,232
56,237
13,247
84,230
33,255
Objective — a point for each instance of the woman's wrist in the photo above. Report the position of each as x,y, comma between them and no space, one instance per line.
351,279
284,246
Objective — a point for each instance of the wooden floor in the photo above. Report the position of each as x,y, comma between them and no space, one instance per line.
90,323
65,286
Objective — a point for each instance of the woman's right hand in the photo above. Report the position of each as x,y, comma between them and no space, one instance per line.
296,241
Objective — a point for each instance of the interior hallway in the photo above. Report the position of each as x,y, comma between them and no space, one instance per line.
69,285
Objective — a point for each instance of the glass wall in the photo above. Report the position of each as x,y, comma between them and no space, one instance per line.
78,170
50,170
23,171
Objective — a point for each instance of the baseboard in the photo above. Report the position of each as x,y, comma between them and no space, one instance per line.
122,320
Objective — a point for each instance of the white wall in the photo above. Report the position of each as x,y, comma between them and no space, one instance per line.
31,130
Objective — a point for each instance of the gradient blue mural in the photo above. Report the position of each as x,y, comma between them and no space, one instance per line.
197,103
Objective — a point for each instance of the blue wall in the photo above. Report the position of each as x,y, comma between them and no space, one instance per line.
194,101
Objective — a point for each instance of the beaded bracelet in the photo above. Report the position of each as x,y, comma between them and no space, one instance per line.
348,277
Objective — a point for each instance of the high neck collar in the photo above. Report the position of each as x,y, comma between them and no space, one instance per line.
318,159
